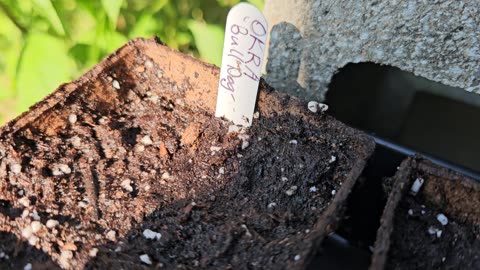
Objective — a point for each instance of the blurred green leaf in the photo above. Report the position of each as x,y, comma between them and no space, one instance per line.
50,14
228,3
209,40
112,8
114,41
10,45
157,5
43,66
46,42
258,3
145,26
79,53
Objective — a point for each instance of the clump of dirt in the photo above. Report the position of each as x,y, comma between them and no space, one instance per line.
439,227
125,168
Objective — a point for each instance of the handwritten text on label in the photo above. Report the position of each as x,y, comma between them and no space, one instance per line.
253,55
244,46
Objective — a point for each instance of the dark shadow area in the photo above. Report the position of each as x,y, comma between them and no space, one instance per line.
339,254
16,254
367,201
406,115
349,247
425,116
9,211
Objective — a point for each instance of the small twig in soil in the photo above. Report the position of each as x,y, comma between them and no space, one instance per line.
90,187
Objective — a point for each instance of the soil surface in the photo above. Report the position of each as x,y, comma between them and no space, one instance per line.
125,170
418,239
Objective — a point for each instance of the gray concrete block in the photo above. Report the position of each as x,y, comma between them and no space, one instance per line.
435,39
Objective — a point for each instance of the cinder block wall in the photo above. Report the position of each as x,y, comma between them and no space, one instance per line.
311,40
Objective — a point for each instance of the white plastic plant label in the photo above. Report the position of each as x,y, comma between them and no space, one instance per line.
245,36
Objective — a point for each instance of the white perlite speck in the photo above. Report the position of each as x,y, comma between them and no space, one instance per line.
291,190
435,231
332,159
165,175
221,170
24,201
295,142
52,223
93,252
245,144
112,235
323,107
314,106
116,84
149,234
126,184
61,169
27,232
33,240
28,266
313,189
72,118
297,257
146,140
83,204
65,258
64,168
247,232
272,205
215,148
416,186
334,192
35,215
16,168
410,212
76,142
442,219
102,120
145,259
36,226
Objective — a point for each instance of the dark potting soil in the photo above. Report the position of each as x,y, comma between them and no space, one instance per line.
256,215
17,254
127,172
418,239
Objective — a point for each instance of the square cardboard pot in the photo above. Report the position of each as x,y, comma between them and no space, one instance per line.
127,167
411,235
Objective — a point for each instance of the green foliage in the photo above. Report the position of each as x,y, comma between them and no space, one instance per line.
44,43
203,35
43,64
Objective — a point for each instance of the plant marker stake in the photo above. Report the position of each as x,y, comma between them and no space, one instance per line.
245,36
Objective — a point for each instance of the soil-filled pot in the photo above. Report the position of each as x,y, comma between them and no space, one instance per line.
437,227
126,168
